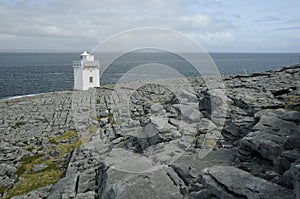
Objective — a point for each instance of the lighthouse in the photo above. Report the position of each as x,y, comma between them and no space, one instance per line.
86,72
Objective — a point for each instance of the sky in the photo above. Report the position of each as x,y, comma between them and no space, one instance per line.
217,25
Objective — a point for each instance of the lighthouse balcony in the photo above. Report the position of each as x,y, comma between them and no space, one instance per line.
79,64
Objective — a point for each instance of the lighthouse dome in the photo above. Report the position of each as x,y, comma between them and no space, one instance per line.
85,53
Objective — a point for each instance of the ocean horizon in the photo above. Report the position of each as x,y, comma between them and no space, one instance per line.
28,73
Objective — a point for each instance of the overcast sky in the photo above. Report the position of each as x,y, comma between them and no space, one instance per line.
218,25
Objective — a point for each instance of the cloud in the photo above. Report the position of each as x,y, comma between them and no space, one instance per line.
96,20
79,24
288,28
268,19
293,21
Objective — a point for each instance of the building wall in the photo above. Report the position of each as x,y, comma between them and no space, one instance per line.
78,79
87,73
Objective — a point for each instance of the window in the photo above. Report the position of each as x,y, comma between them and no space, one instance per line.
91,79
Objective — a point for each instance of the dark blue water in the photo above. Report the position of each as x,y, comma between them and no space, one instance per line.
31,73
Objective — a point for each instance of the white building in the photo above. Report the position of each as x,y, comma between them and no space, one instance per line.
86,72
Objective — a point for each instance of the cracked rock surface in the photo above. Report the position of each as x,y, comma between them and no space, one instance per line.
158,139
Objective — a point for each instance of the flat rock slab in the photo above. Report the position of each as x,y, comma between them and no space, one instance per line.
229,182
155,184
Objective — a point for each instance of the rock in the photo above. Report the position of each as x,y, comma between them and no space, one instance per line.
155,184
291,116
206,125
268,145
7,170
287,179
36,194
189,112
293,142
281,164
270,122
297,181
230,182
271,174
38,167
191,97
86,181
203,194
156,108
86,195
270,134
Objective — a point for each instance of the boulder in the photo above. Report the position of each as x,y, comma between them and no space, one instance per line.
154,184
230,182
297,181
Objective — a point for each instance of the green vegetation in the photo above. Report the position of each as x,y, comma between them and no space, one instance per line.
98,101
210,142
40,148
92,130
3,189
28,180
27,163
291,99
67,148
68,134
33,180
18,124
30,148
256,173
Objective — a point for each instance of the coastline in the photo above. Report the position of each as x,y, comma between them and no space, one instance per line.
224,77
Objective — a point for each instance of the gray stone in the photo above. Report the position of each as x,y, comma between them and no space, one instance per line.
270,134
156,108
86,181
297,181
7,170
230,182
190,112
38,167
155,184
203,194
36,194
86,195
291,116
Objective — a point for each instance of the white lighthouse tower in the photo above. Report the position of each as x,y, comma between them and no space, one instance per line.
86,72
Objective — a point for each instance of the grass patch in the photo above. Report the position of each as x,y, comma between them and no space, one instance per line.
292,97
40,148
116,123
210,142
98,101
92,129
28,162
3,189
18,124
28,180
255,173
68,134
30,148
34,180
52,140
288,107
67,148
291,101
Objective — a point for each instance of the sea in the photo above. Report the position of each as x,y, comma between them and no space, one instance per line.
28,73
